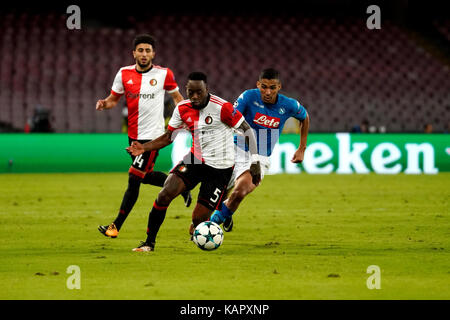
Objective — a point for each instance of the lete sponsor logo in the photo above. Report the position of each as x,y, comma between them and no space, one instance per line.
266,121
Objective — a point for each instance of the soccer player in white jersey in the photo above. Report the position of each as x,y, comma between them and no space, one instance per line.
211,121
143,85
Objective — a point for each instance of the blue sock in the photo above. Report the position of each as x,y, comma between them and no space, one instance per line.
226,212
219,216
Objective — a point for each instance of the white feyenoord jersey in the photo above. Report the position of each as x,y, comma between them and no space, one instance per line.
211,129
144,92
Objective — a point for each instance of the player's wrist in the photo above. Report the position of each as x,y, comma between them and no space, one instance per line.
255,158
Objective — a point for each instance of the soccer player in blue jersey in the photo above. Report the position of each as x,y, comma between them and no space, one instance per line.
266,110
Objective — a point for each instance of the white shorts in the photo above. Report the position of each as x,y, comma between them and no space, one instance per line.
243,162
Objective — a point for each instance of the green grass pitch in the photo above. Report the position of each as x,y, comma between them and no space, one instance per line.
296,237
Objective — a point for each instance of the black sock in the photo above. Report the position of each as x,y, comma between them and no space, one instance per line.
155,178
129,199
155,219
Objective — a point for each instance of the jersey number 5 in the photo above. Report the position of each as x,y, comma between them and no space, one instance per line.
217,194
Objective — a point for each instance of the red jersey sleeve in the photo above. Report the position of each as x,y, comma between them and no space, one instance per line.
231,116
175,121
116,94
117,87
170,85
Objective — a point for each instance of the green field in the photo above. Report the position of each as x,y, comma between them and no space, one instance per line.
296,237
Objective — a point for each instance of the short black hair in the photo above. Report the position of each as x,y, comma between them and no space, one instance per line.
197,75
269,74
144,38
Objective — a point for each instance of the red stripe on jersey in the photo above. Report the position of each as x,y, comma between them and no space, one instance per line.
132,84
190,117
116,94
217,100
169,81
229,115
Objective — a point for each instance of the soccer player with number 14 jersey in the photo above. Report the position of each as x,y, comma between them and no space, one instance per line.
143,85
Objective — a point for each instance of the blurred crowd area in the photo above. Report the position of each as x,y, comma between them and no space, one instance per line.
350,78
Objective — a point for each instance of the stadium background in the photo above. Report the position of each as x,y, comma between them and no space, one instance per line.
397,77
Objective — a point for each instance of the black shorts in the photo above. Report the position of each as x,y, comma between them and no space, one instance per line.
144,163
213,181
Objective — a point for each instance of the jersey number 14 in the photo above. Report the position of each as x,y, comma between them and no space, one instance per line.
139,161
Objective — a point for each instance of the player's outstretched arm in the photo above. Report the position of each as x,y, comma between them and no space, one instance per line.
137,148
108,103
300,152
250,140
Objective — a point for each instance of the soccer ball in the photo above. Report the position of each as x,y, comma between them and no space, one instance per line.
208,235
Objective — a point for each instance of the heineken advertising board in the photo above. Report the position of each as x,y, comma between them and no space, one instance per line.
346,153
341,153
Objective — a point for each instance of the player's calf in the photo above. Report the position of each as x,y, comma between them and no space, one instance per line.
200,214
129,199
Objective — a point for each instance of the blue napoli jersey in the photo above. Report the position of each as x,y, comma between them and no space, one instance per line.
267,120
